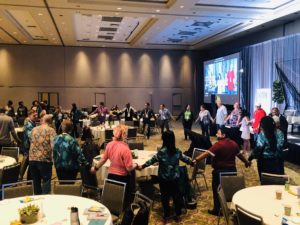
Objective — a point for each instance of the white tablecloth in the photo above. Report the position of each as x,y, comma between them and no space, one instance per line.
56,209
143,156
6,161
261,200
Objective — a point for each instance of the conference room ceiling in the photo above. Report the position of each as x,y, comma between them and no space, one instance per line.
154,24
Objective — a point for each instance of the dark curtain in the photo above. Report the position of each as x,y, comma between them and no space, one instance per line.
245,79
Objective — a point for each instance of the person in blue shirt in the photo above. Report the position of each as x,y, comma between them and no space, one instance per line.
268,148
67,153
168,173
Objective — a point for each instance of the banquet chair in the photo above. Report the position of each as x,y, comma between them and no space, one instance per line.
90,186
67,187
114,202
138,197
229,217
17,189
198,169
136,145
245,217
231,182
108,135
273,179
11,151
132,133
10,174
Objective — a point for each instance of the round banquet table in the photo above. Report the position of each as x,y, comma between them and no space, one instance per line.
261,201
6,161
143,156
54,209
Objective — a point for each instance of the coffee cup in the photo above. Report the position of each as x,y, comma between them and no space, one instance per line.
278,194
287,210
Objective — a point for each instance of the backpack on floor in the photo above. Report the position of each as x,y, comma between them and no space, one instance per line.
136,214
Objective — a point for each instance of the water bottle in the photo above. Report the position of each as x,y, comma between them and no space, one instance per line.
284,221
74,216
287,186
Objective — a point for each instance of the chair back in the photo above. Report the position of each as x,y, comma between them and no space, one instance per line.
273,179
24,165
199,168
67,187
113,196
129,123
223,203
11,151
231,183
140,197
108,134
10,174
136,145
88,178
17,189
132,133
247,218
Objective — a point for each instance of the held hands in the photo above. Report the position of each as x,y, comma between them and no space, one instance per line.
139,167
93,170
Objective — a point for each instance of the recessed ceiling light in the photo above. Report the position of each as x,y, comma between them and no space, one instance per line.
157,10
24,41
119,8
153,16
40,14
117,14
63,23
53,38
14,32
182,6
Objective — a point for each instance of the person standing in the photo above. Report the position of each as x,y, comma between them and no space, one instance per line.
67,153
168,158
101,111
28,127
10,110
129,112
223,155
7,128
75,114
40,156
187,120
283,123
147,114
119,155
37,107
233,120
259,113
58,118
204,119
164,116
22,113
221,115
268,148
245,128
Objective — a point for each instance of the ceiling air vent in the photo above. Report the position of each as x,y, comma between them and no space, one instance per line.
105,37
108,29
115,19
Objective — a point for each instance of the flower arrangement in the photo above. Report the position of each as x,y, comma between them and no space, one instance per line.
29,214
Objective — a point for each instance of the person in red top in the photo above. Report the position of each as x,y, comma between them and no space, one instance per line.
230,79
259,113
119,154
223,160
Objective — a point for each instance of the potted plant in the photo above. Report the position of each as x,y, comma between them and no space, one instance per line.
29,214
278,95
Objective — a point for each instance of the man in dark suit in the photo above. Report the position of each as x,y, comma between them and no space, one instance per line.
147,113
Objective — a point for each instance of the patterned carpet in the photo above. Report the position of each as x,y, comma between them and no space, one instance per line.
199,215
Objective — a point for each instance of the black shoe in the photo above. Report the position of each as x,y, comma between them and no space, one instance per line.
213,212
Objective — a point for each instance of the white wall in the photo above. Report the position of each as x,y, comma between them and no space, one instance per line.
125,75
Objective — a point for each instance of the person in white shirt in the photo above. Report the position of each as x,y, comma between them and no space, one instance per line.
221,115
204,120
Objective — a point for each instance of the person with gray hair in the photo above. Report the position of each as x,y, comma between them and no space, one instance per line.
67,153
40,155
6,128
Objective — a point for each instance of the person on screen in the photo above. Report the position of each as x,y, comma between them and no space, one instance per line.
220,84
230,79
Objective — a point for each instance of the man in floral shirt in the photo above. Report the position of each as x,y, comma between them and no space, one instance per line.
67,153
40,156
